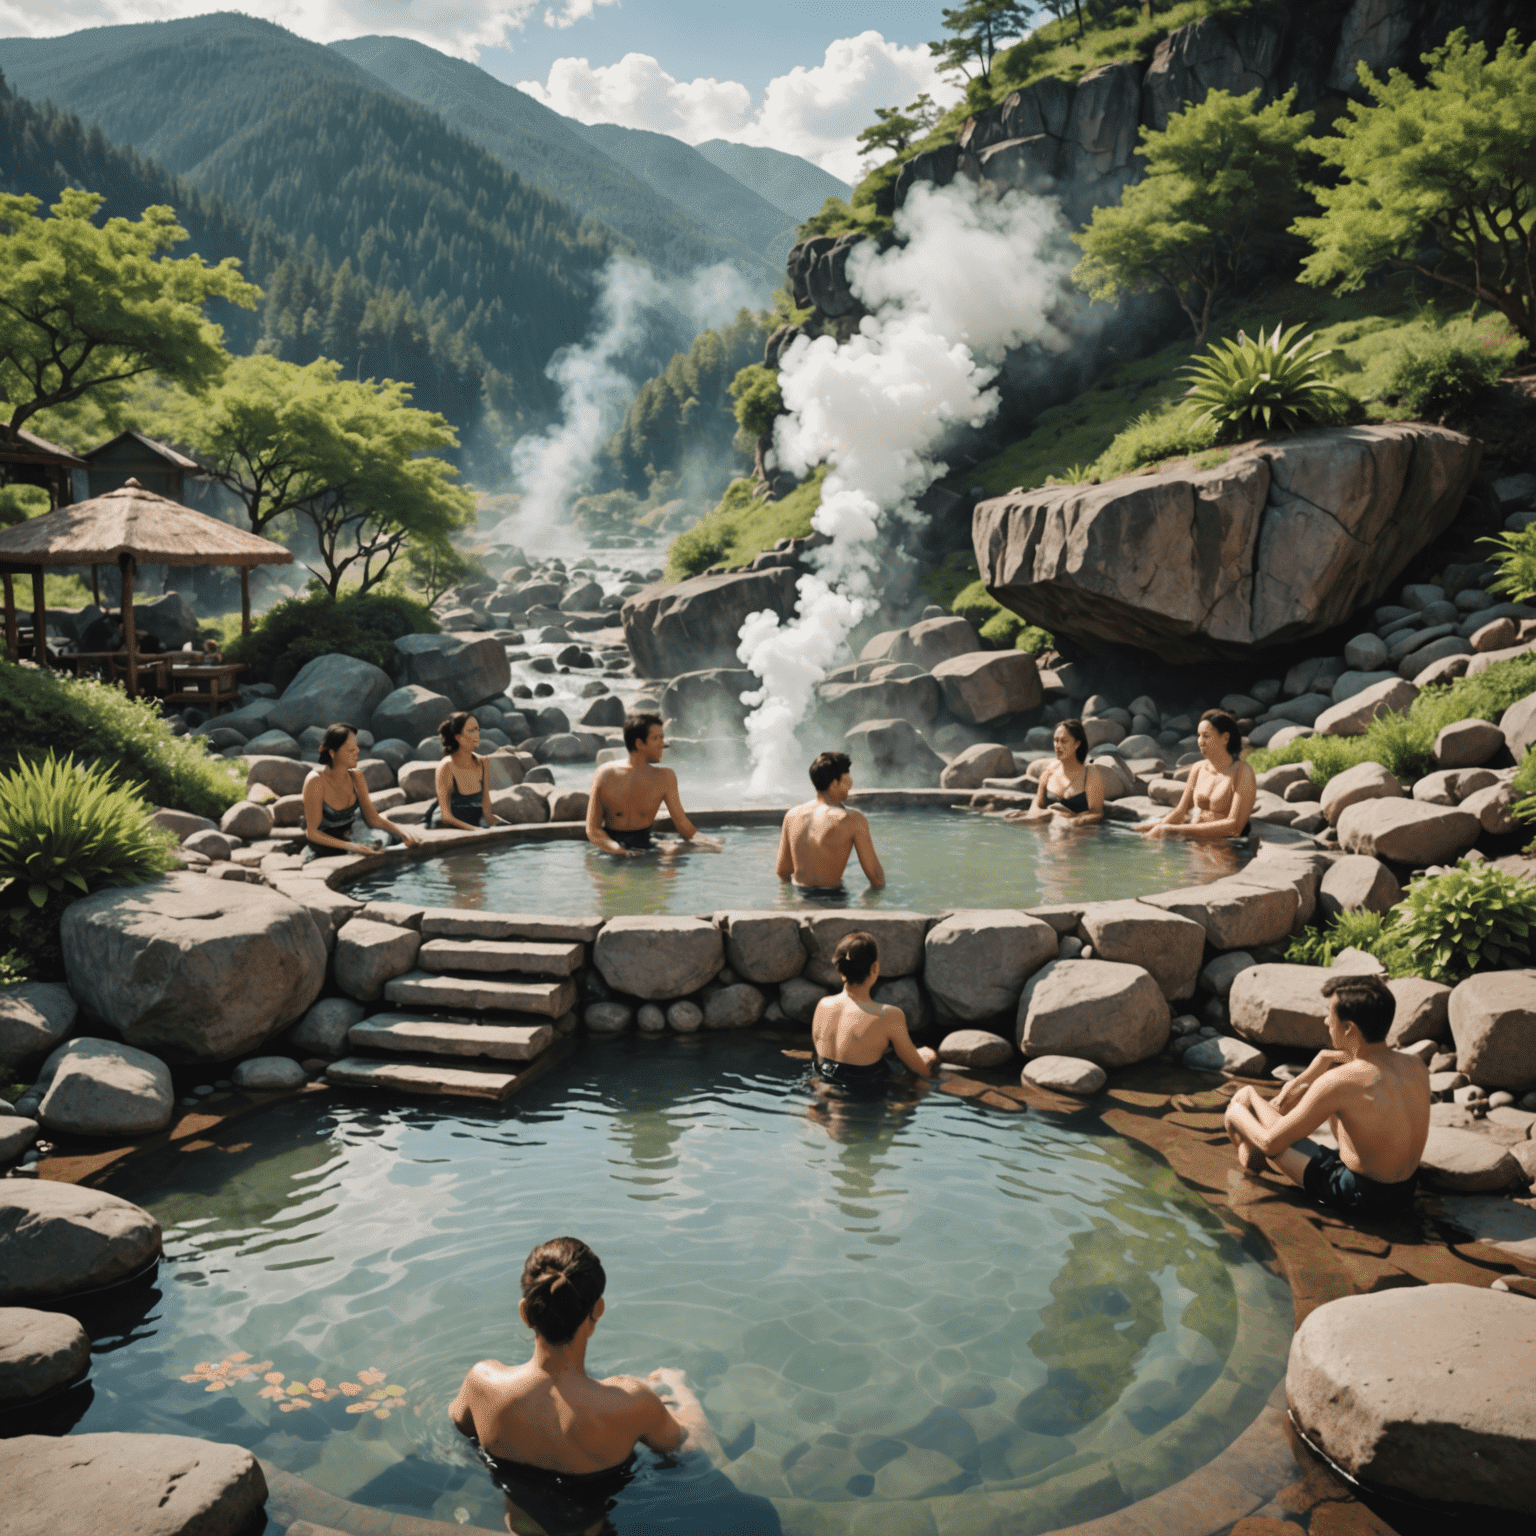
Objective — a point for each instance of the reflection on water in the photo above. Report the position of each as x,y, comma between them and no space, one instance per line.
987,1315
934,859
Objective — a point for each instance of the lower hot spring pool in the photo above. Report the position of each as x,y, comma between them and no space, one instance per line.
932,1317
934,860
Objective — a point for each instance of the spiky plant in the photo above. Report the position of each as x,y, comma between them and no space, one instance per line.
1273,384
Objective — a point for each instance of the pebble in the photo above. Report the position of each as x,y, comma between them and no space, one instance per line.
203,1090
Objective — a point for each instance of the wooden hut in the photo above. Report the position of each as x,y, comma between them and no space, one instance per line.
27,459
132,456
126,527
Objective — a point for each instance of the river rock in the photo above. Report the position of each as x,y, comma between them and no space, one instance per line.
934,640
328,689
763,947
268,1074
1358,883
39,1352
734,1007
1221,1053
1366,653
1518,725
1450,1416
247,821
987,685
899,935
915,699
971,768
469,668
1166,945
410,713
273,744
1494,808
1493,1022
57,1239
1421,1012
688,625
282,775
892,753
1281,1005
975,1048
799,997
607,1018
1218,976
708,702
34,1017
17,1134
1408,831
101,1088
1468,1162
521,805
369,955
1064,1074
1355,713
1235,912
976,963
1365,781
658,957
155,1485
323,1029
1110,1013
194,969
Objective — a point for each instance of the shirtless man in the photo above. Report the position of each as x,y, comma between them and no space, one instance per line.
818,836
1220,791
626,796
1375,1098
850,1031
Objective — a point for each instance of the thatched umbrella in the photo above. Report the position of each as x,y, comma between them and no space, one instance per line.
129,526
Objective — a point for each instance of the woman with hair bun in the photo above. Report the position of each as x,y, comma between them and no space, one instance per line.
334,794
463,782
1220,791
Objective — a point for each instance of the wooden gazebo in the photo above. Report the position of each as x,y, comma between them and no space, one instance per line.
126,527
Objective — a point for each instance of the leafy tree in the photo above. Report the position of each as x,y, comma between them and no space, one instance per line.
759,404
978,29
87,307
897,127
1445,165
1220,188
433,568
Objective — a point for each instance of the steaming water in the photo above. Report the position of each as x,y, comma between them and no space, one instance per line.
1000,1323
934,860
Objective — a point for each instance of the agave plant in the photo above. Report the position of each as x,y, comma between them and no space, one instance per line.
1273,384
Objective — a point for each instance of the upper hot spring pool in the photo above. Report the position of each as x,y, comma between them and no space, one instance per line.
935,859
979,1322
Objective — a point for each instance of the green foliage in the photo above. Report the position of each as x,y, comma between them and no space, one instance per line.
895,128
1443,380
1515,556
1446,163
759,402
20,502
741,527
1475,917
1000,627
42,712
1173,432
1220,188
365,625
1275,384
1524,787
1368,931
977,30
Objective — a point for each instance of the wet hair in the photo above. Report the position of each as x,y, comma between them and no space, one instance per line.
334,740
637,729
1364,1001
452,728
1074,729
855,957
563,1281
1226,726
828,768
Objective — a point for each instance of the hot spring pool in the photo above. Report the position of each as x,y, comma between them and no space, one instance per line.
979,1322
935,859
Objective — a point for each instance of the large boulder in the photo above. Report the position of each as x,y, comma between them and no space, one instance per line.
39,1352
733,1007
708,703
976,963
1518,724
170,619
892,753
34,1017
1365,781
469,668
1422,1011
369,955
898,934
1355,710
1281,1004
101,1088
1408,831
697,623
934,640
282,775
1423,1393
323,1029
972,767
410,713
191,968
915,699
1493,1022
1465,1162
57,1239
658,957
987,685
763,947
1163,943
1283,541
1100,1010
154,1485
1236,912
328,689
1358,883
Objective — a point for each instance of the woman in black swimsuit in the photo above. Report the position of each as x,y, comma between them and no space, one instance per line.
334,794
463,783
1071,791
851,1032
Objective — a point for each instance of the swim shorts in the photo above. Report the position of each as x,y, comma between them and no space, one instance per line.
636,839
857,1082
1330,1183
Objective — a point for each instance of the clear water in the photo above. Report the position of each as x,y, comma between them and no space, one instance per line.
974,1321
934,860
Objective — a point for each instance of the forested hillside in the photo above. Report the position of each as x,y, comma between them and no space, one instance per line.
790,183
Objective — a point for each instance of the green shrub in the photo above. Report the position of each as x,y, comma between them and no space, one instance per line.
1153,436
364,625
1472,918
97,722
1524,787
67,829
1439,378
1515,556
1247,388
740,527
1368,931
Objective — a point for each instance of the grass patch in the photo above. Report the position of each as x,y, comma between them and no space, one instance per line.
1369,931
739,528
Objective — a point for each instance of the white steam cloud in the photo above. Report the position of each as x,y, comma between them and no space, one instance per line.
973,277
596,387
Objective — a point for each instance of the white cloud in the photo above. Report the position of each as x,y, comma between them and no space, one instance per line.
815,111
575,10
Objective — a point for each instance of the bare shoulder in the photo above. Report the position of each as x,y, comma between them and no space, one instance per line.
605,771
892,1016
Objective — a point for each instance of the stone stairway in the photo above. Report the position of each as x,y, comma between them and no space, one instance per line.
484,1012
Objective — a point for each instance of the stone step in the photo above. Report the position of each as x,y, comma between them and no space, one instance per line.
420,989
426,1077
491,955
405,1034
464,923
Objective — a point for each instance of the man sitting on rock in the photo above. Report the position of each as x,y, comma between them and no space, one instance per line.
626,796
1375,1099
818,836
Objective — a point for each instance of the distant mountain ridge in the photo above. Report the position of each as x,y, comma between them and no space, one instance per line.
792,184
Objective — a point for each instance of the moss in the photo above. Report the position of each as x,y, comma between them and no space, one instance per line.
739,528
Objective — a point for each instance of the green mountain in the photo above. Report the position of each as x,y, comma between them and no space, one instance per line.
552,153
793,185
